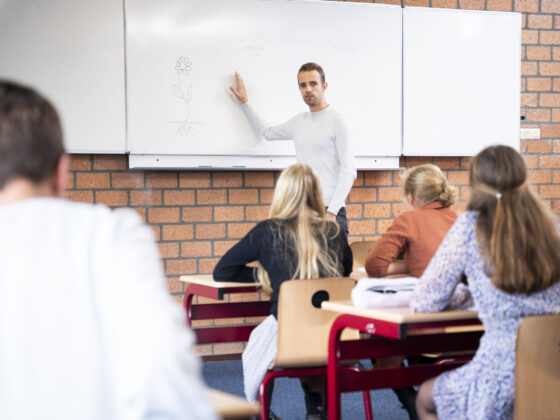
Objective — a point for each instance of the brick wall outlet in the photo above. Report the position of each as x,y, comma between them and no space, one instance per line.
529,133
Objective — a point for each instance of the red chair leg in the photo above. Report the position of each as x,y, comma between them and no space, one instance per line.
367,405
301,373
366,395
263,392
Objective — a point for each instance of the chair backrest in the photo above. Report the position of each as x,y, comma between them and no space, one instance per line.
359,252
303,327
537,368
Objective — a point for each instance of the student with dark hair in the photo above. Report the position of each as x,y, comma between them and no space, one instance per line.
507,245
87,326
321,138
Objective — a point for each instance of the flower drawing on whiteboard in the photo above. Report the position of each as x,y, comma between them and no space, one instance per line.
183,65
183,91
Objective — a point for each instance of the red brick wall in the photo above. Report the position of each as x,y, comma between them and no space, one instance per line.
197,216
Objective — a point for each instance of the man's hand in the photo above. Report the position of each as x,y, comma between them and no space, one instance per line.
330,217
239,91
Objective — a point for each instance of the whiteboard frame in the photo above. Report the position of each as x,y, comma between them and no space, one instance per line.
221,162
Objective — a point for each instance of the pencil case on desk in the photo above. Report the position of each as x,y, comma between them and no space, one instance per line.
383,292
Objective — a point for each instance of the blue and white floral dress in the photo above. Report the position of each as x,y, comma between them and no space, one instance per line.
483,388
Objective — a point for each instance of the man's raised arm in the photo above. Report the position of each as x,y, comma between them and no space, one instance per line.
262,129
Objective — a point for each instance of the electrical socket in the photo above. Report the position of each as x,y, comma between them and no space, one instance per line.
526,133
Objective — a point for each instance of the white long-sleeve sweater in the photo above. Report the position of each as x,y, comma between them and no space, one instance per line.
87,327
321,141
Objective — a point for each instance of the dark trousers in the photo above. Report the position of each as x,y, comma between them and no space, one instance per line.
341,219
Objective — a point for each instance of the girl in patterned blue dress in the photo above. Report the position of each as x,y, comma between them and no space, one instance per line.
508,246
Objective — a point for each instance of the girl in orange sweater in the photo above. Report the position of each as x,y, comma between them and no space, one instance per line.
418,232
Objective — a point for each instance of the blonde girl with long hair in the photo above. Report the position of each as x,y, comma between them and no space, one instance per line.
295,242
417,233
507,245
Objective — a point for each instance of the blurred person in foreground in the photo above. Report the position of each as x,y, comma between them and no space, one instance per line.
87,327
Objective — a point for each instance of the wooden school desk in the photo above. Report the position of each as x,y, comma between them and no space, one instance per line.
205,286
232,407
394,332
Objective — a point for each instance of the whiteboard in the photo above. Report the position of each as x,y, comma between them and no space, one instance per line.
461,78
181,57
73,53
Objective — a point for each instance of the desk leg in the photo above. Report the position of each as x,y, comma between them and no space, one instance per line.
333,370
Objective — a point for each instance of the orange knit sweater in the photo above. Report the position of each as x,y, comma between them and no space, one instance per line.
417,234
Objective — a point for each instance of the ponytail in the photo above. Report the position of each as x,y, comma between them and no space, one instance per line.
515,233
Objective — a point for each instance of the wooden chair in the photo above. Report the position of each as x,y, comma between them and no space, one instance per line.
537,368
359,252
231,407
303,332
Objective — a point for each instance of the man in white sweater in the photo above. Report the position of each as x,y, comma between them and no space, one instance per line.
320,136
87,327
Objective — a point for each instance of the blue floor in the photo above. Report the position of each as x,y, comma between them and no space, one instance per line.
287,400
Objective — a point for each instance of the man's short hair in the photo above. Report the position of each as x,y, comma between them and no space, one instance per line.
311,67
30,134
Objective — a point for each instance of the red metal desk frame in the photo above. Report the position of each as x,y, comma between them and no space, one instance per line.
391,339
206,287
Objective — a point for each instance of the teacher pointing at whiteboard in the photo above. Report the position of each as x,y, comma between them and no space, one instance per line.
320,136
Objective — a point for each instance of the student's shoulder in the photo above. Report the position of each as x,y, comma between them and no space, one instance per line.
265,227
408,217
104,213
468,217
449,211
411,220
465,224
76,212
102,218
99,223
266,224
436,210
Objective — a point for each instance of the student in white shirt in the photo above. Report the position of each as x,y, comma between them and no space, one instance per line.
87,327
320,136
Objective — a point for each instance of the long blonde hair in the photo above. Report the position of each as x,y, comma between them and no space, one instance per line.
428,184
298,211
515,232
